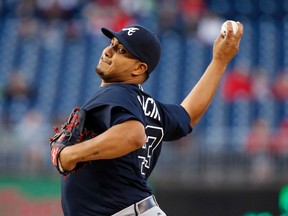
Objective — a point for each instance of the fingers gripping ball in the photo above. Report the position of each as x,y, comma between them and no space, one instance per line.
224,27
71,132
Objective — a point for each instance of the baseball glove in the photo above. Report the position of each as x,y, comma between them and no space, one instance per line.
70,133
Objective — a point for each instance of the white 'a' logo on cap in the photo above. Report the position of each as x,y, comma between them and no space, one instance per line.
130,30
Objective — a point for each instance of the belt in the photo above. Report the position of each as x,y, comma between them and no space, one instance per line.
139,207
146,204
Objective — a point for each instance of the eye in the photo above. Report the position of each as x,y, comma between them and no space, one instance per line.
121,50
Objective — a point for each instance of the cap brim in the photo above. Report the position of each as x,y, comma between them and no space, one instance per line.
110,34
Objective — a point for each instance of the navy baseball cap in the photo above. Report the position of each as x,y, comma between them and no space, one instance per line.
140,42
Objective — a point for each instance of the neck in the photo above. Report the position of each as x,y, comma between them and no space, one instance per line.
136,82
103,84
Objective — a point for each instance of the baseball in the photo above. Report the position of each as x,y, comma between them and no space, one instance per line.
224,27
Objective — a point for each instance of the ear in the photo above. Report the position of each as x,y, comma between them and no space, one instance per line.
141,69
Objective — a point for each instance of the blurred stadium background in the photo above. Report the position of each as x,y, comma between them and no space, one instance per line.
235,161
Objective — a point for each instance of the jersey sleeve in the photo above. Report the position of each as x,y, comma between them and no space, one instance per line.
176,122
113,106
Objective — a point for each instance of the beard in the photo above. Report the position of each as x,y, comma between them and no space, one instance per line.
103,76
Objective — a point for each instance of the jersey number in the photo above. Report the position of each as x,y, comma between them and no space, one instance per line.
154,137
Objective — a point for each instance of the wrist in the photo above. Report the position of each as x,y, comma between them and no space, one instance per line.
218,65
220,62
67,158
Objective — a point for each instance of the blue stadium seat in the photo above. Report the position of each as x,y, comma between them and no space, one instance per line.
245,7
49,71
268,45
222,7
93,51
247,52
8,44
172,57
196,58
284,41
71,75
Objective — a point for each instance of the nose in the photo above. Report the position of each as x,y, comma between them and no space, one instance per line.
108,51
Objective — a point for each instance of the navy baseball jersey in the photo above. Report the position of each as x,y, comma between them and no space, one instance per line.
104,187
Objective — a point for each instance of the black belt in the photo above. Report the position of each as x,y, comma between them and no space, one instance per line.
146,204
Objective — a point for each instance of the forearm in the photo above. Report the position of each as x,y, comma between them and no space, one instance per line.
115,142
201,96
104,146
